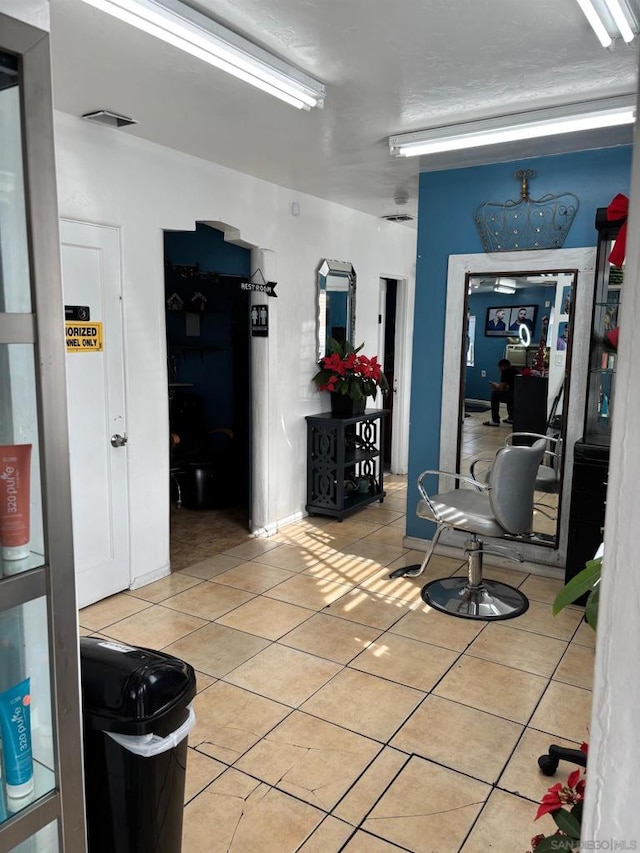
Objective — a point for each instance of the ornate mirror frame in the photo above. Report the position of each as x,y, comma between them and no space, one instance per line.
337,278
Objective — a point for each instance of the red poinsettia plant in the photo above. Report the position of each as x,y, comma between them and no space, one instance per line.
345,371
564,804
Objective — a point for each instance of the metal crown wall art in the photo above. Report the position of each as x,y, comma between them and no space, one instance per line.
527,223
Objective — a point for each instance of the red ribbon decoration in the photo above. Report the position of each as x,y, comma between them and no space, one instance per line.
618,209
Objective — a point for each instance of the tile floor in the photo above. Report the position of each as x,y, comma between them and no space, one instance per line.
335,711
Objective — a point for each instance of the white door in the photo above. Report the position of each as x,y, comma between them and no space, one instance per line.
95,379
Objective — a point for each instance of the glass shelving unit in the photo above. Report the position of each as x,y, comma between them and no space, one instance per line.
42,806
606,317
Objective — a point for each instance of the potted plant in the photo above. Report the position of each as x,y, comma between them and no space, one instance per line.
350,378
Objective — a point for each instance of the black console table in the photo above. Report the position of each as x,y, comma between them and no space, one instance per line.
344,462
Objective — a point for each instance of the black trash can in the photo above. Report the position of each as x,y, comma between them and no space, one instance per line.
136,718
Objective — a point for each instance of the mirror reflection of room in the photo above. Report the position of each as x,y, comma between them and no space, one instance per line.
336,304
525,321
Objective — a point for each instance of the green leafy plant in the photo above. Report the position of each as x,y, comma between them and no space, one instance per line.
346,372
585,582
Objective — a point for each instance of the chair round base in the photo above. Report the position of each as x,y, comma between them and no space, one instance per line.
489,600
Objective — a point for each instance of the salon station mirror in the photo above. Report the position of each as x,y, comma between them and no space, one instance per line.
532,308
336,312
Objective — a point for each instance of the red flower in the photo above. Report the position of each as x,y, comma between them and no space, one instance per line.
560,795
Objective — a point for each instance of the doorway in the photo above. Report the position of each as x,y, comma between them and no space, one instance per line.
208,368
387,321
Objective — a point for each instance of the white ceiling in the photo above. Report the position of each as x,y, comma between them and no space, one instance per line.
390,66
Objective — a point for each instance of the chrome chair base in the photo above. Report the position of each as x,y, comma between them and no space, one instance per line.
487,600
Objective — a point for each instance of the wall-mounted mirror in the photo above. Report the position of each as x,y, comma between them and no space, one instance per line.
524,318
490,298
336,304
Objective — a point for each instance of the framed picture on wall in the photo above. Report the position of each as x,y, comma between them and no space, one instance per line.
522,315
506,321
497,322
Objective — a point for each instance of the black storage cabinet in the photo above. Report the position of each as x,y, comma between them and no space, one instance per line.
134,801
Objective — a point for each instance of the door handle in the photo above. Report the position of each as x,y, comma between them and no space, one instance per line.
118,440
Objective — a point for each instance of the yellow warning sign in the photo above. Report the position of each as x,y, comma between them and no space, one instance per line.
84,337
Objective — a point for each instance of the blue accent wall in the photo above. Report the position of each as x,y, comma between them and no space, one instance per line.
447,203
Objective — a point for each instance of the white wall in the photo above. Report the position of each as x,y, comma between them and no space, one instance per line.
34,12
108,177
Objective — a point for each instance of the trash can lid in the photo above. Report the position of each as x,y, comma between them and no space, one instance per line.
131,690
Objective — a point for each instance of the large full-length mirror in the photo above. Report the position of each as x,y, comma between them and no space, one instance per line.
336,303
525,319
523,307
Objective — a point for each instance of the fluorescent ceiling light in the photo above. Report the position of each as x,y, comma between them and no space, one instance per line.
184,28
610,112
610,19
505,285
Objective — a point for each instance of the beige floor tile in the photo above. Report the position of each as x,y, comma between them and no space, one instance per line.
406,661
427,808
313,760
520,649
439,629
364,703
379,513
283,674
265,617
229,721
110,610
253,548
329,836
564,711
359,800
506,823
377,551
216,649
203,681
491,687
237,814
576,667
343,568
388,536
293,558
539,619
537,588
459,737
522,776
208,600
338,640
201,771
253,577
84,632
155,627
356,527
585,636
306,591
165,588
369,608
212,566
400,523
362,842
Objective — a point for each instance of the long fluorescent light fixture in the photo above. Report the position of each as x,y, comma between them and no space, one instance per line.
184,28
610,19
609,112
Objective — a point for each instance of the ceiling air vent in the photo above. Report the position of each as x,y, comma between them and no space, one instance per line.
398,217
109,118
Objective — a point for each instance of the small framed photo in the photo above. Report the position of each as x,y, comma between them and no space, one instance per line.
565,304
562,341
497,322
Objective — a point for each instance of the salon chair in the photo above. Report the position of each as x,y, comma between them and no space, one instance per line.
548,475
499,509
549,762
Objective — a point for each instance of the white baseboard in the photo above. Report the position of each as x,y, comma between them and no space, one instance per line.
150,577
